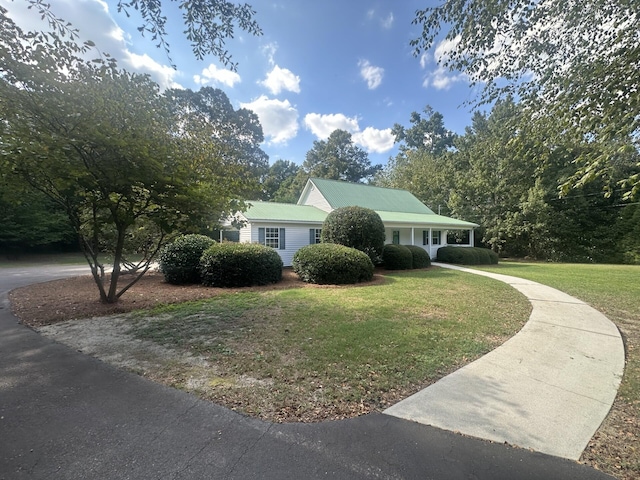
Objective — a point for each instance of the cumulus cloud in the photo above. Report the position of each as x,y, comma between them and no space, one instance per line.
279,79
214,75
374,140
371,74
371,139
322,125
279,119
104,32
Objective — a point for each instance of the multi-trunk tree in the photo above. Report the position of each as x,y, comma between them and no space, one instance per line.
121,159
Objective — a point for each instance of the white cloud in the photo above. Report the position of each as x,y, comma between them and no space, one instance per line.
279,119
280,79
215,75
322,125
371,139
441,78
424,60
374,140
371,74
269,50
103,31
387,22
163,74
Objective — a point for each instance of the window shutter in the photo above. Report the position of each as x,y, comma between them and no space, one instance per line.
282,243
261,236
312,236
425,236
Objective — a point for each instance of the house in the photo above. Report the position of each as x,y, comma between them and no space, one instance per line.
288,227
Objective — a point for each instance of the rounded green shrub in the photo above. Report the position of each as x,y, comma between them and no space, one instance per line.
467,255
180,260
397,257
240,265
355,227
420,256
333,264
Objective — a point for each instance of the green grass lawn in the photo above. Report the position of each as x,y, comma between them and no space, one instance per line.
312,353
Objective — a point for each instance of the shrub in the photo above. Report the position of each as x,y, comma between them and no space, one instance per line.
240,265
397,257
180,260
467,255
420,256
330,263
355,227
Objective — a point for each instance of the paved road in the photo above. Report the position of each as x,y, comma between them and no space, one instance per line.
64,415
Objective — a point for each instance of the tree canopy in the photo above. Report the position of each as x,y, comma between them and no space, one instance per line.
125,162
573,63
504,176
207,25
338,158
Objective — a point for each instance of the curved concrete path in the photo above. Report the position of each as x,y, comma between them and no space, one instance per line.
548,388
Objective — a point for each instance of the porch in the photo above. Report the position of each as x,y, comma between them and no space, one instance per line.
429,238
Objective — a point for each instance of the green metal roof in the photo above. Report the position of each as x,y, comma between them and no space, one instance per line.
285,212
343,194
424,219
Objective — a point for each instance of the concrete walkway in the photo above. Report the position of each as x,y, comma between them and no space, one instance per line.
547,389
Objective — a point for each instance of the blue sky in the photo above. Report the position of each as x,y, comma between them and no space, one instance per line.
318,66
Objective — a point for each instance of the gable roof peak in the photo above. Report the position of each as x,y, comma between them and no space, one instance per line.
345,194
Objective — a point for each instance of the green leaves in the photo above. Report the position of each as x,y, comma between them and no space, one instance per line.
573,63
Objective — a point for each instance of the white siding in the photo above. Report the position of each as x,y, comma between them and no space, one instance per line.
296,237
314,197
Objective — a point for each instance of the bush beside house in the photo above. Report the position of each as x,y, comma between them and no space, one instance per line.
397,257
330,263
180,260
240,265
355,227
467,256
420,257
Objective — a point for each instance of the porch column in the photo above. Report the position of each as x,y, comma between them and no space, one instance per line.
471,241
220,235
430,243
413,236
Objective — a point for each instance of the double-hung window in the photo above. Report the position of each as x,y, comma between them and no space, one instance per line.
435,237
272,237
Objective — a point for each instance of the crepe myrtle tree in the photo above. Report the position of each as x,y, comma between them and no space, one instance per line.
206,25
106,146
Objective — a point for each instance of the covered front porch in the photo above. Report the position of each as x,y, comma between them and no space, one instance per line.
431,238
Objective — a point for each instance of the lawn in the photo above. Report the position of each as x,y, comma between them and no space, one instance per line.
314,353
615,291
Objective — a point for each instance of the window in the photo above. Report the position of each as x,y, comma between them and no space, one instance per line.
396,237
435,237
314,235
272,237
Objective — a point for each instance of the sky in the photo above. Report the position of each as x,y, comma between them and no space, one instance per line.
319,66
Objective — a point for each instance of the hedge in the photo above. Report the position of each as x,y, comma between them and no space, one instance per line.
240,265
330,263
467,255
180,260
397,257
420,256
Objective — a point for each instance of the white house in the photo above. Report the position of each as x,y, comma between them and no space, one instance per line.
288,227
